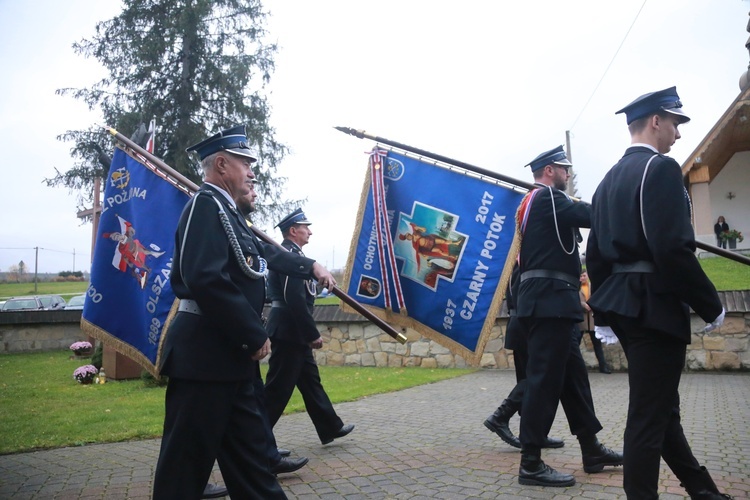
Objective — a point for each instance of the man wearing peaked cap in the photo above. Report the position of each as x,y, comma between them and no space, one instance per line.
294,335
554,156
644,274
212,410
296,217
232,140
548,307
515,338
663,101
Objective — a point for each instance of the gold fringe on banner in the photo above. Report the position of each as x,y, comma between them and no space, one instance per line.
355,235
402,319
118,345
126,349
167,323
107,338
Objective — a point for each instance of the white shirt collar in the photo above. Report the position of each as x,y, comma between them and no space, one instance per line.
644,145
226,195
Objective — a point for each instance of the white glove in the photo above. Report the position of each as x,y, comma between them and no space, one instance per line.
716,323
605,334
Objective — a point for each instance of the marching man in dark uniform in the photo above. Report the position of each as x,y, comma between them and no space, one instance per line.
549,307
515,340
211,408
280,459
644,274
294,335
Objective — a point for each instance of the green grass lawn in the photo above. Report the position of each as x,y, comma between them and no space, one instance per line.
65,288
41,406
726,274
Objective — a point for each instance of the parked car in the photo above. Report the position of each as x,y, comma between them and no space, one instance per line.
23,304
52,302
76,302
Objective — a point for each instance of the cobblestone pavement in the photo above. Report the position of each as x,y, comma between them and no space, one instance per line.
424,443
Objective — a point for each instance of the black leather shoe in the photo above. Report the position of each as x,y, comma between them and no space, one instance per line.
596,460
283,452
501,428
346,429
605,370
289,465
709,495
553,443
701,487
544,475
214,491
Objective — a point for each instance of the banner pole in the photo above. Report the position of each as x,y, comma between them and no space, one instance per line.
190,185
361,134
723,252
193,187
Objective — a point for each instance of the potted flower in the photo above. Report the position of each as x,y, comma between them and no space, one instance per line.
81,349
85,374
732,236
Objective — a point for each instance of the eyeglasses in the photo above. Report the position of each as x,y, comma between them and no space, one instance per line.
566,167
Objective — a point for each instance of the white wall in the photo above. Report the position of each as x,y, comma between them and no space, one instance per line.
734,178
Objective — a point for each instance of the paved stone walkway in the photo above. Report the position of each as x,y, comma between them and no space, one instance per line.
423,443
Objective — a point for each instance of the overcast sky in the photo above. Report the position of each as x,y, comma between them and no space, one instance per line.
489,83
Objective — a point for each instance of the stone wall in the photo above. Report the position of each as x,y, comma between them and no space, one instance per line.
724,349
358,343
25,331
350,340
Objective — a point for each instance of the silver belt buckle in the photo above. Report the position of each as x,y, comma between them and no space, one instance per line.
189,306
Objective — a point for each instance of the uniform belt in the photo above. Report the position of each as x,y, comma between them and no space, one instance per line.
189,306
548,273
278,303
639,266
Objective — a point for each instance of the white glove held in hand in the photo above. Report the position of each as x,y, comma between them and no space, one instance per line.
716,323
605,334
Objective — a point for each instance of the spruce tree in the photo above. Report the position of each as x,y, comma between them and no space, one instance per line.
198,66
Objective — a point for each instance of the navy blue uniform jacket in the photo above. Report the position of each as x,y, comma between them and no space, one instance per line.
294,322
540,249
659,299
217,345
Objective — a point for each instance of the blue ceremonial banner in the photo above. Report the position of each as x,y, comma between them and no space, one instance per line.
433,249
129,298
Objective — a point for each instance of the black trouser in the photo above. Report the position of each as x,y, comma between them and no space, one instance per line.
520,359
515,396
207,421
272,447
293,364
598,351
653,429
555,373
